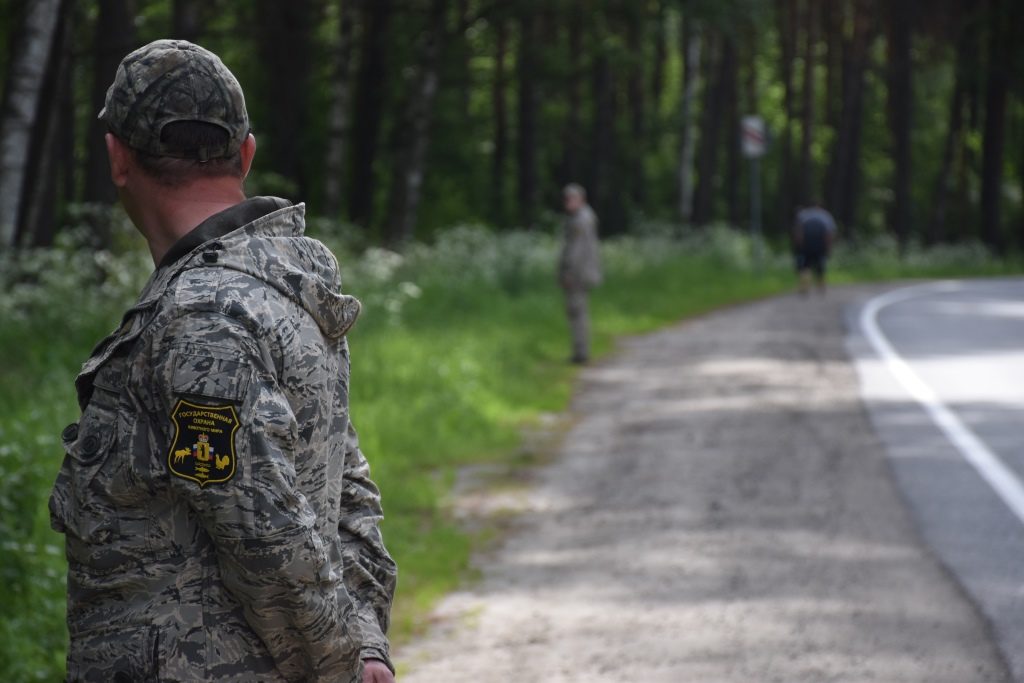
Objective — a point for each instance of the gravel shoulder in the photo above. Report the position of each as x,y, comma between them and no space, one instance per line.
722,511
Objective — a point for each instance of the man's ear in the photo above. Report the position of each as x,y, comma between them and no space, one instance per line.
247,152
120,160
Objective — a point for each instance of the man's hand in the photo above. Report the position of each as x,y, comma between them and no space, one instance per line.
376,671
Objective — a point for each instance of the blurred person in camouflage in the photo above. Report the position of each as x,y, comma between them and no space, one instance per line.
814,232
579,267
219,516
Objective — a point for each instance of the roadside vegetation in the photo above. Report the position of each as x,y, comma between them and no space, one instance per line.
462,346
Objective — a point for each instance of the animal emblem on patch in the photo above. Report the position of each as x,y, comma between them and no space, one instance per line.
203,448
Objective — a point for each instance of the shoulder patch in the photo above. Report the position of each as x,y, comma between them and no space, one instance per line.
203,447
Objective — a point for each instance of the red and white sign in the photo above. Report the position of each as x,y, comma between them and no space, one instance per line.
753,137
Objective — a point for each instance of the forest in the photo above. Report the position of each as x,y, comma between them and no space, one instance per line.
430,140
396,118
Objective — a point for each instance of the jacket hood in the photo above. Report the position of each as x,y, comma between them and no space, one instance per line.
274,249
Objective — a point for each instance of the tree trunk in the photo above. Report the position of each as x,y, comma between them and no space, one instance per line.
113,39
966,158
603,197
806,175
527,190
407,183
936,230
786,11
900,102
637,109
21,108
68,136
660,58
369,109
845,179
691,44
187,19
832,17
40,198
730,94
285,32
750,84
752,107
833,21
338,116
498,101
994,138
1020,178
465,74
571,163
710,132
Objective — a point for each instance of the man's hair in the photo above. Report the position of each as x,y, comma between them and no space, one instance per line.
188,137
574,190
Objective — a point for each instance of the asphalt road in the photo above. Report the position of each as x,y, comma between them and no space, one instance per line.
721,510
942,371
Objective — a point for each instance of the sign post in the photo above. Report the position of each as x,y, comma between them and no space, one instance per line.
753,144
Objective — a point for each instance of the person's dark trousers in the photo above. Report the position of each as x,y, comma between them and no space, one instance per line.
579,323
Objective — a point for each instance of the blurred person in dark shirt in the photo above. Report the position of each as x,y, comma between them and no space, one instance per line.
814,232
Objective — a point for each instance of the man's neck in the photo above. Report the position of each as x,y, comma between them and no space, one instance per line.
170,213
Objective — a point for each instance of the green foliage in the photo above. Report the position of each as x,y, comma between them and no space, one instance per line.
878,258
632,166
57,303
462,344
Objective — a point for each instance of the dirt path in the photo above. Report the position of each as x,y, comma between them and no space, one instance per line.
720,512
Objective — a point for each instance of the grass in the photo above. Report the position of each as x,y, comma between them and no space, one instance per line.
468,384
462,345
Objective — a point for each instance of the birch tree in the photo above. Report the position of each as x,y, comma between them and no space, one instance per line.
40,197
691,82
20,110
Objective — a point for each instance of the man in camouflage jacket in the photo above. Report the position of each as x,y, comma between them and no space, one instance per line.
579,267
220,520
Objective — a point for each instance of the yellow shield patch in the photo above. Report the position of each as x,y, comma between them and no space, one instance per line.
203,448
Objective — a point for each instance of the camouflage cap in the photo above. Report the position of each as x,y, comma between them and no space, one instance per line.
174,80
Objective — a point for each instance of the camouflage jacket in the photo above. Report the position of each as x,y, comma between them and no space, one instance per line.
579,265
219,516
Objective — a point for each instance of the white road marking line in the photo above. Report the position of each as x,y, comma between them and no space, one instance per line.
1001,478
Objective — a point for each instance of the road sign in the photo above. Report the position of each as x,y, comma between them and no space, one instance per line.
753,137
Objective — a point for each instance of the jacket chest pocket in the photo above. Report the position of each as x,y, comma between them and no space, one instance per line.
84,500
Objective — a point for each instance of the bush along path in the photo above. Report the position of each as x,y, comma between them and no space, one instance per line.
721,511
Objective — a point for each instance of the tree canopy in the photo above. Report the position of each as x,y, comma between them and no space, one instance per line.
401,117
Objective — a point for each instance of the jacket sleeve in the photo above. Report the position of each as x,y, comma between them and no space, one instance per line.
270,555
579,263
591,268
370,573
563,255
